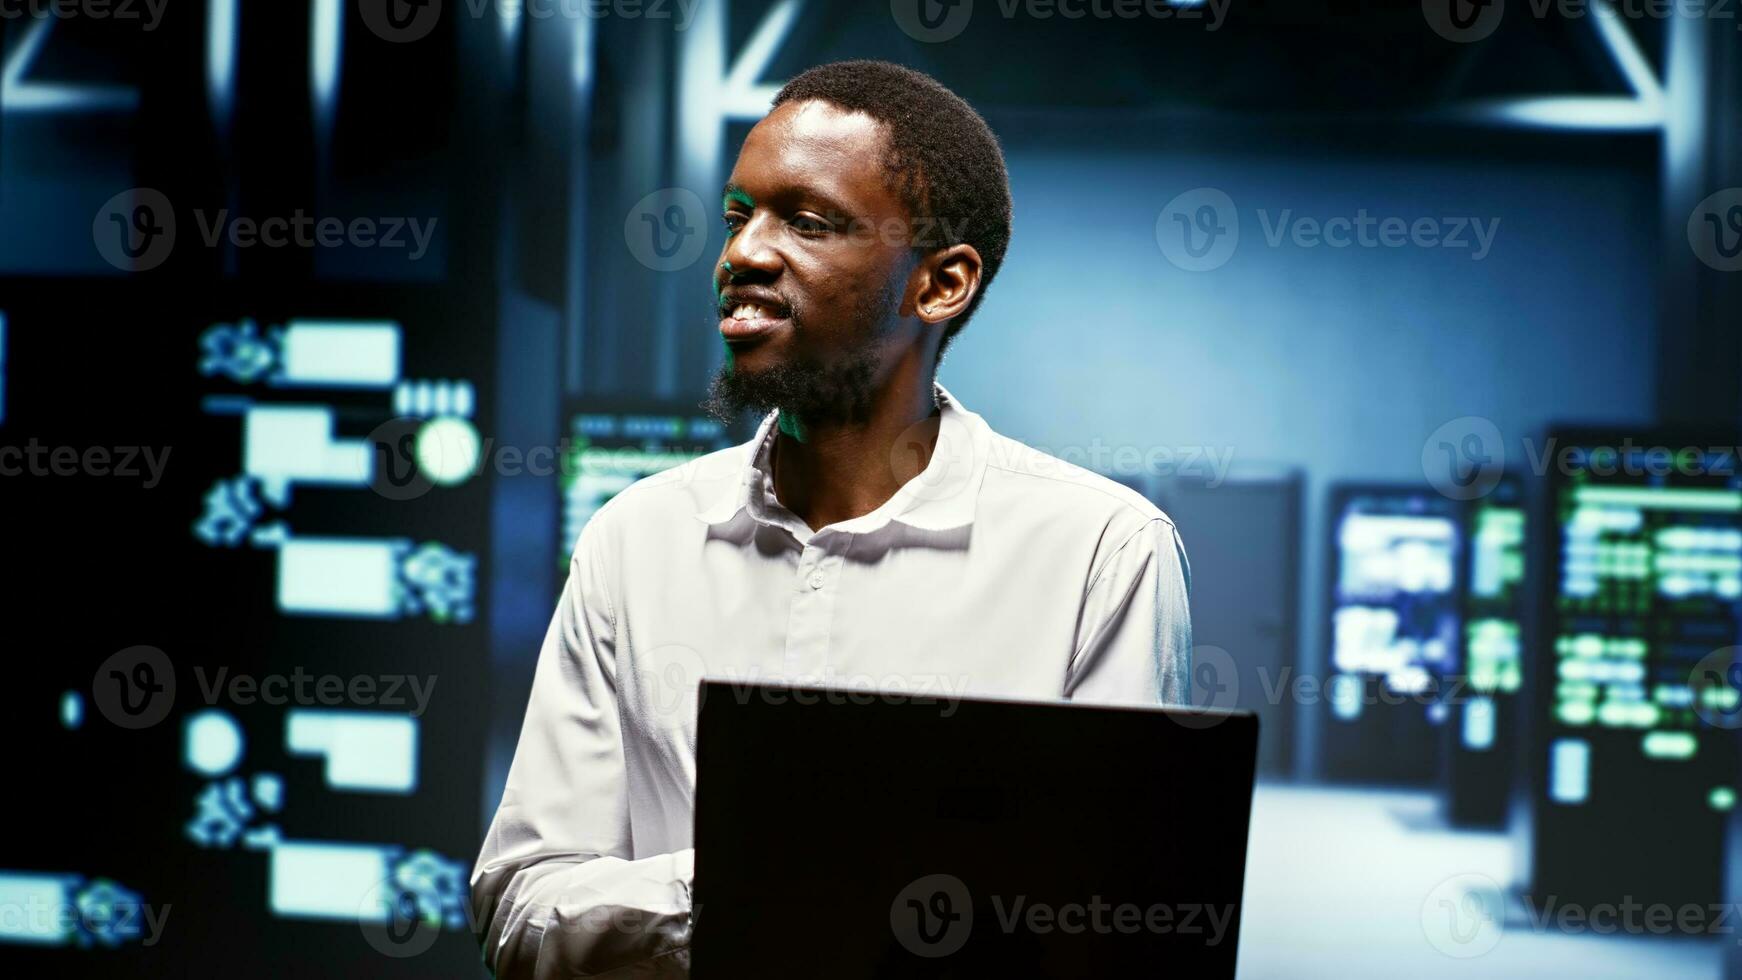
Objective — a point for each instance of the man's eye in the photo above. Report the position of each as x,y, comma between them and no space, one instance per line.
734,222
806,224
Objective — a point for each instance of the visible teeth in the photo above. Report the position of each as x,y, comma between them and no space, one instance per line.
749,311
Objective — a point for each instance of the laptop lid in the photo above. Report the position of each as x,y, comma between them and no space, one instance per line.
846,834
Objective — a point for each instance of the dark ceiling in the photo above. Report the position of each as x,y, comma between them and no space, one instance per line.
1265,56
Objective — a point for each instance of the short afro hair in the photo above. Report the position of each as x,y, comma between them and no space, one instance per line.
943,159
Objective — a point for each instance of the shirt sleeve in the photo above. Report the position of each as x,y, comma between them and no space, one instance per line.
1134,638
557,886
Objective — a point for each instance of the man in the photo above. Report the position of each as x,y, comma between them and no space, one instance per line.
874,534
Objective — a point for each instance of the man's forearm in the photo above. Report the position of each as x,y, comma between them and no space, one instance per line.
579,916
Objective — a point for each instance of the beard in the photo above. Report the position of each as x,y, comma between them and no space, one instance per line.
837,391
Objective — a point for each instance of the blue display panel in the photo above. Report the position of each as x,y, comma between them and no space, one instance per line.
1483,725
426,440
1393,626
328,411
274,695
2,367
253,732
611,444
1636,692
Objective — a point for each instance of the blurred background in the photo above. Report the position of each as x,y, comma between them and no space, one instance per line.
325,325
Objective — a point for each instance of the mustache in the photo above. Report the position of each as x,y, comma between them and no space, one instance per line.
784,310
730,299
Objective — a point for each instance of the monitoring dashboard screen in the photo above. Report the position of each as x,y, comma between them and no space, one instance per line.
1482,701
1394,625
1493,666
270,594
1638,678
610,445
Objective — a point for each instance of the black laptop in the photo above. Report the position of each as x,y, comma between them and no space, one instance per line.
844,835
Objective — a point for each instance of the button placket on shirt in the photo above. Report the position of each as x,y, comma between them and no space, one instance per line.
812,613
810,564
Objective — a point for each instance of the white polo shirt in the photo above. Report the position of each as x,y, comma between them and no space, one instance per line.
997,570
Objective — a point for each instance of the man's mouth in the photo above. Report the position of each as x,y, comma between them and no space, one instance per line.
751,321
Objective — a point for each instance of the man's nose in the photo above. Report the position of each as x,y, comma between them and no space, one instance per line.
751,252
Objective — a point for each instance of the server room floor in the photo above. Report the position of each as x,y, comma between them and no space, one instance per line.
1357,884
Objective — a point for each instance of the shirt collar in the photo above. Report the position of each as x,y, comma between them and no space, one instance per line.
941,497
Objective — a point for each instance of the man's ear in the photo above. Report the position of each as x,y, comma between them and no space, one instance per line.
945,282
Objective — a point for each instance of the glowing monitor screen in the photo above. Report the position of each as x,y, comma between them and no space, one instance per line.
1651,586
1491,629
1395,615
607,451
1636,681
